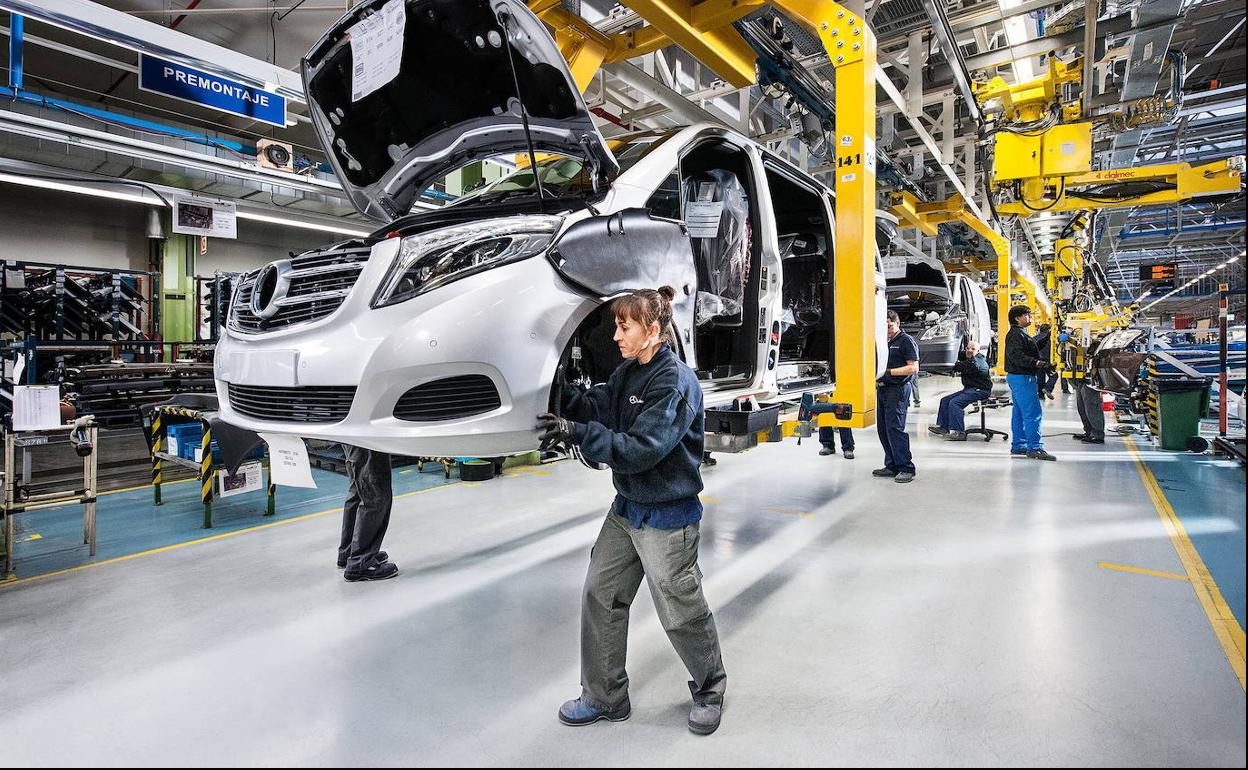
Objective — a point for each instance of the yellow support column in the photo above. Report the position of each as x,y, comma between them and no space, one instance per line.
851,48
1003,307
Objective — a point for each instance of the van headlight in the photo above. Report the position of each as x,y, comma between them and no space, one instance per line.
429,260
946,328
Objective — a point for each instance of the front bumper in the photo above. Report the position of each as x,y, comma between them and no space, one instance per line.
509,324
938,355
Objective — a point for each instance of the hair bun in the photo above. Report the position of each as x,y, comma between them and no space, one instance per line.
667,293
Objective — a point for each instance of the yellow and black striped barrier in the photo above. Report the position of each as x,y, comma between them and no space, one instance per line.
205,474
204,469
158,446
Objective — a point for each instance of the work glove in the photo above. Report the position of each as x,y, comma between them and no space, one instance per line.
555,430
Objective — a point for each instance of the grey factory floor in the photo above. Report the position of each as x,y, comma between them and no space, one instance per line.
960,620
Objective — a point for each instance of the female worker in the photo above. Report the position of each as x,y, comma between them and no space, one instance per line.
645,423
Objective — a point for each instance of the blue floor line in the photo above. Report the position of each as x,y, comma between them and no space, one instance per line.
1208,495
127,522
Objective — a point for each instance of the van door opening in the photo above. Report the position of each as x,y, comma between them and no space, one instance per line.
806,258
719,196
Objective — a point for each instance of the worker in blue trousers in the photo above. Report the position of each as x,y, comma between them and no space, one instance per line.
976,386
892,399
827,436
1024,366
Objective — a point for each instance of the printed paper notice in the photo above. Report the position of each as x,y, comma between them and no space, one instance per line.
288,461
702,218
894,267
203,216
248,479
36,407
377,49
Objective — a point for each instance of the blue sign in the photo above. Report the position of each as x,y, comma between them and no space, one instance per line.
192,85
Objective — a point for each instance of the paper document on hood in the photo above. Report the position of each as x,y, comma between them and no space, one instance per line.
377,49
894,267
288,461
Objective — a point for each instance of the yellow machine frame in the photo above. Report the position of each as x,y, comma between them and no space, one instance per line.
1029,101
705,30
927,217
1050,168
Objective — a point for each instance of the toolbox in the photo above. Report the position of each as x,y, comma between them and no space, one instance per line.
742,422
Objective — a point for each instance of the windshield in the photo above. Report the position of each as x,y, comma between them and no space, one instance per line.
566,176
1120,340
917,298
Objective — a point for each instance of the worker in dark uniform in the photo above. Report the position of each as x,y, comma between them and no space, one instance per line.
827,439
646,423
1024,365
366,516
1048,381
892,399
976,386
1091,413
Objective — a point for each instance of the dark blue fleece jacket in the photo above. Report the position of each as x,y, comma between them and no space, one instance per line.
646,424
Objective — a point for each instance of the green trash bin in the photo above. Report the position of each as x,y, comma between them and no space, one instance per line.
1180,405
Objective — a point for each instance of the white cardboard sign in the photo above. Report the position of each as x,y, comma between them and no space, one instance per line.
288,461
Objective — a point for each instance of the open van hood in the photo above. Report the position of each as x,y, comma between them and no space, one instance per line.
453,100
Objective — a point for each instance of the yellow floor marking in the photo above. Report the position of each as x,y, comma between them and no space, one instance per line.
222,536
709,499
786,512
529,470
1225,627
28,538
1141,571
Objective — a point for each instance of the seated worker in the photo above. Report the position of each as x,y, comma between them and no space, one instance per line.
976,386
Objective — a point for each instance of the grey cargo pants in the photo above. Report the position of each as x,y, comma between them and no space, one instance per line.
366,513
668,559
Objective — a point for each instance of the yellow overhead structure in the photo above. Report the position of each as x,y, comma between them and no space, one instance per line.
705,30
1174,183
1034,99
584,47
928,217
1043,150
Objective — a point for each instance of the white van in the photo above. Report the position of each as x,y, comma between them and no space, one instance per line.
446,332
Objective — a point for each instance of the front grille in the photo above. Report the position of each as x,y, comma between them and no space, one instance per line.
315,403
320,282
452,398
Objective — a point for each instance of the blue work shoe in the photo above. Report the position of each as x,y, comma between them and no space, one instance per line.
580,712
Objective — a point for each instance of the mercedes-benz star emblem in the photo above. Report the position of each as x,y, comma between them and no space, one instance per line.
270,288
